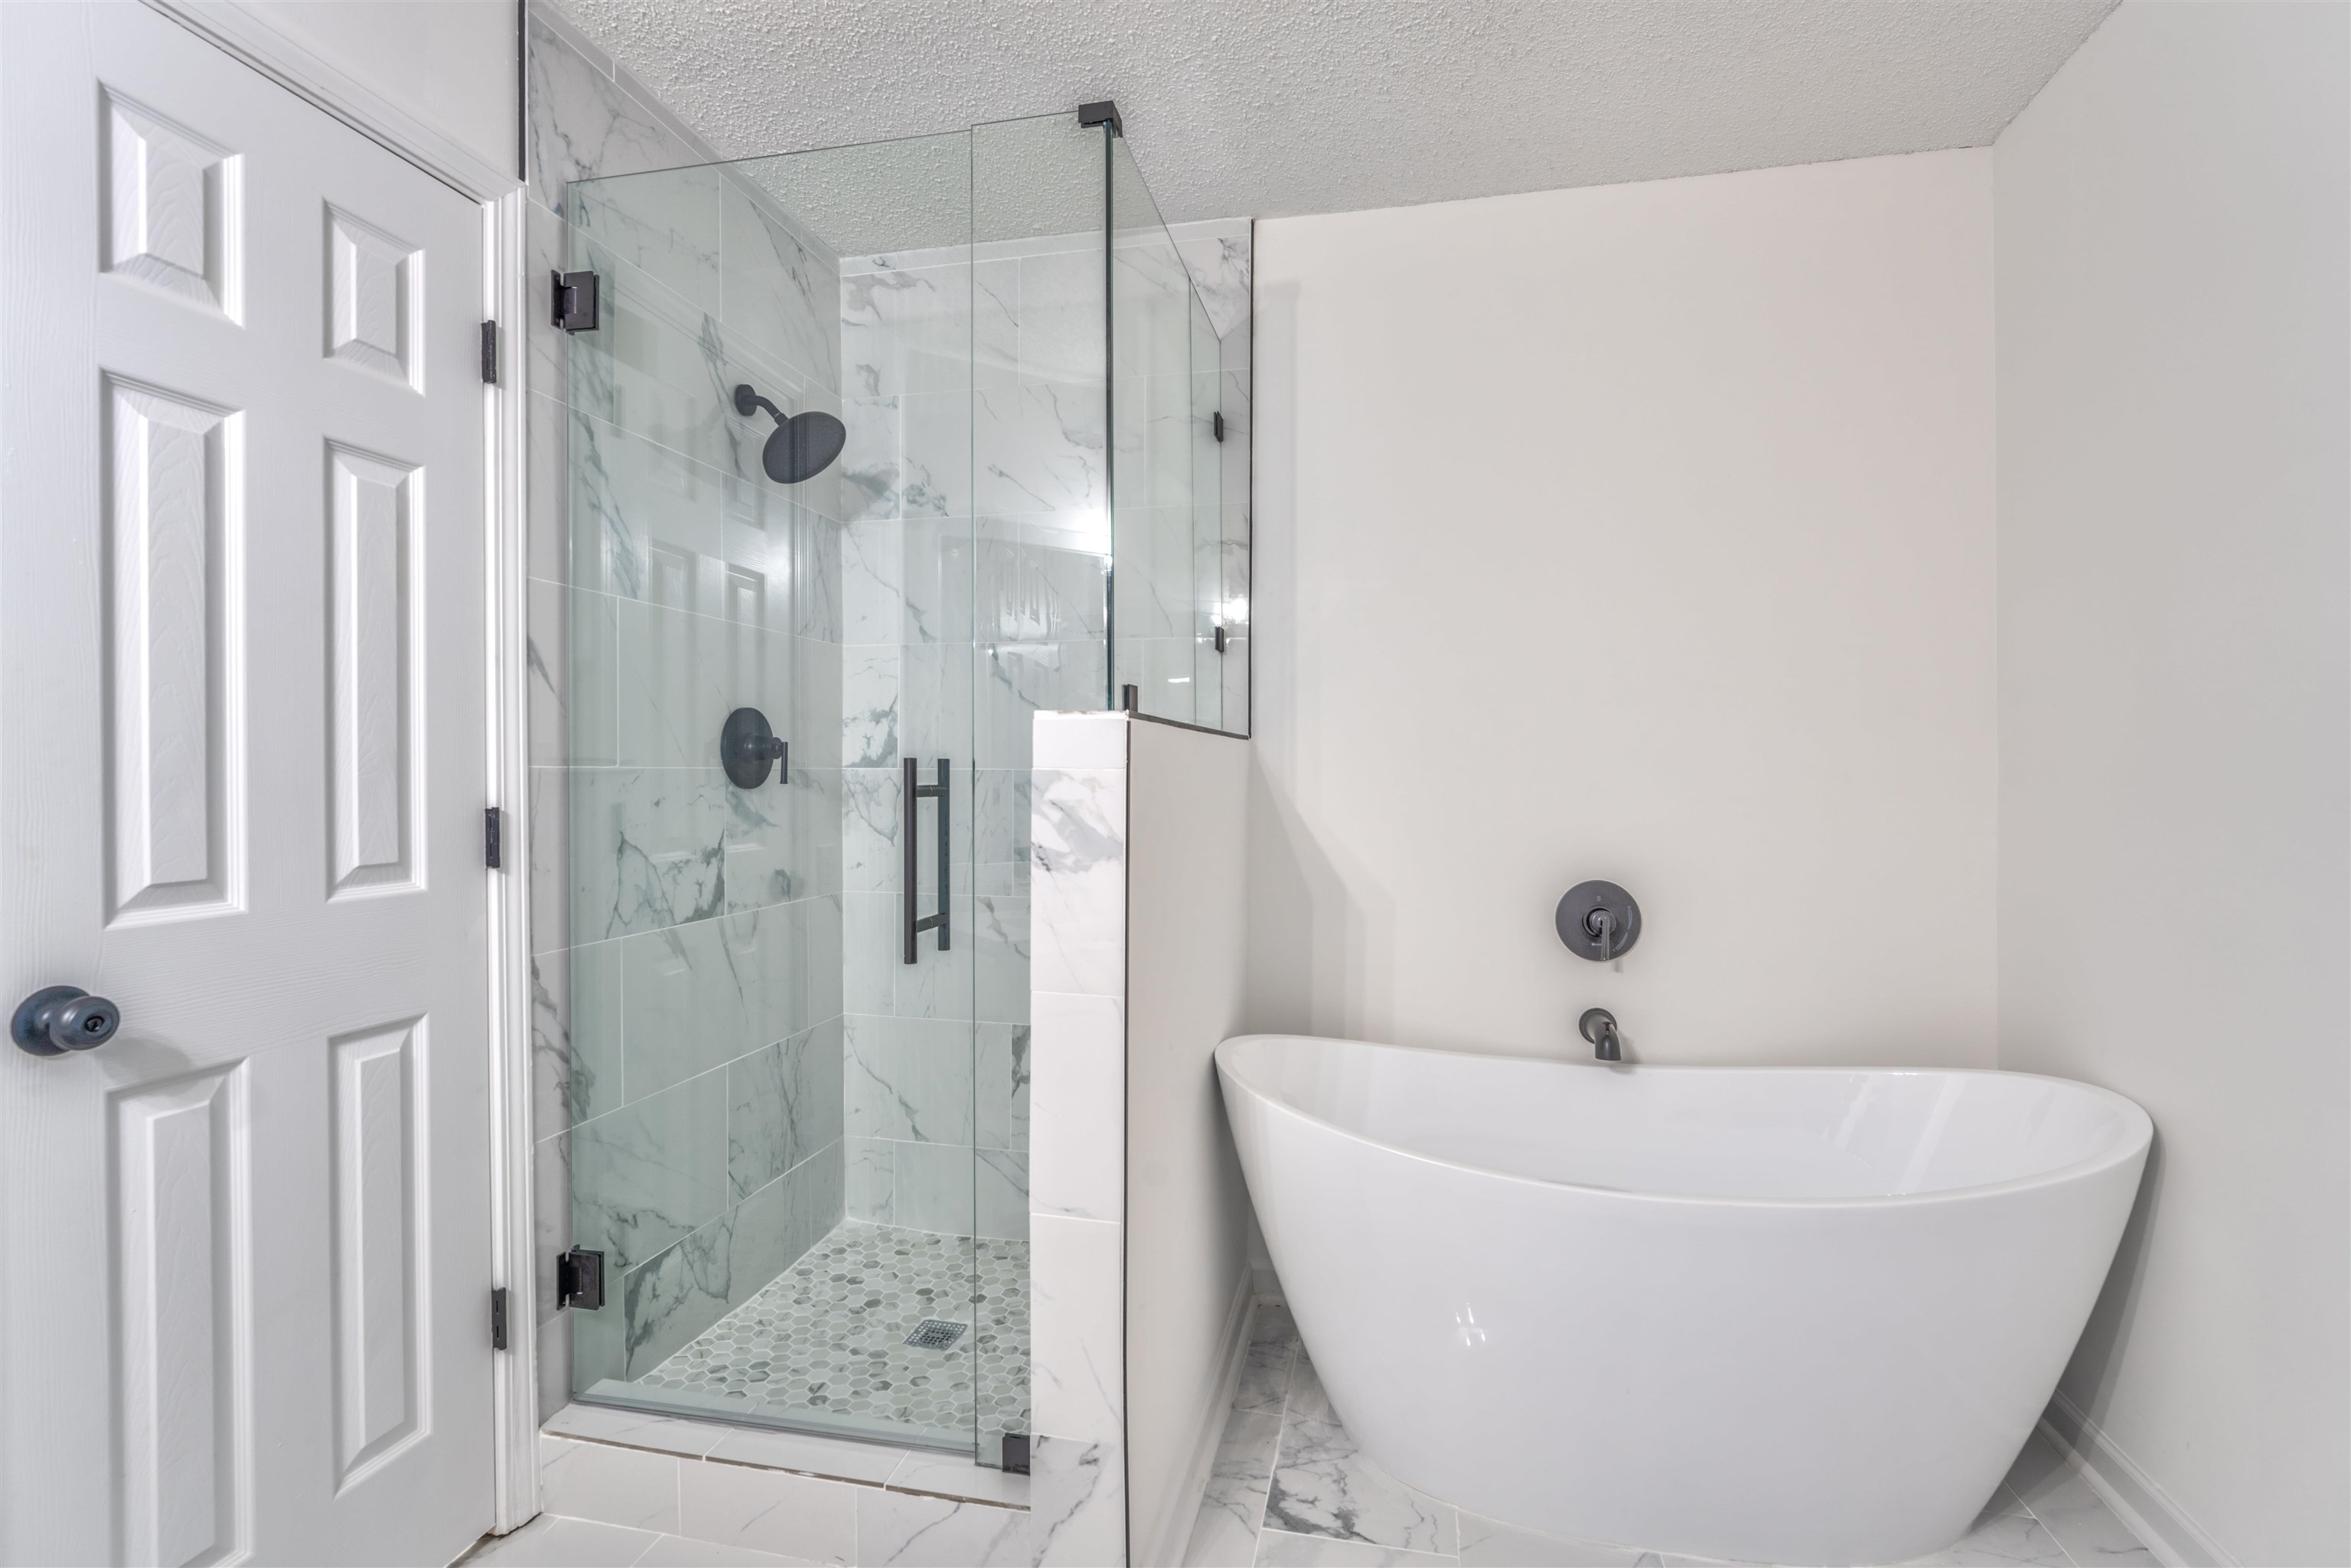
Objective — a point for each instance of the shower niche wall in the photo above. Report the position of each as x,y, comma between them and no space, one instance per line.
798,1007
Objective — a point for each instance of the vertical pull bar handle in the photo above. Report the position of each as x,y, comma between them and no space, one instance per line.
915,792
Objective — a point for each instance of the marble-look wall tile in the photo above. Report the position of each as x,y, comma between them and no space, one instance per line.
583,120
909,1079
784,1104
1077,1503
870,1177
647,1175
1077,1327
1078,1140
1000,1195
780,287
932,1187
1000,1075
1078,896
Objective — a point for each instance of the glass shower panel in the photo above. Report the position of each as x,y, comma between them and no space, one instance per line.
772,983
1172,619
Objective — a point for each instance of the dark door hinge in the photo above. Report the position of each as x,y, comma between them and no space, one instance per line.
575,301
1218,424
1220,639
1015,1456
498,1318
493,826
580,1280
1104,112
490,354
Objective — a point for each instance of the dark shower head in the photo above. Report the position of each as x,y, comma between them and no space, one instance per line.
802,444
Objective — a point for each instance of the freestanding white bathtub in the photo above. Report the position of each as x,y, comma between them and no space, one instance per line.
1780,1314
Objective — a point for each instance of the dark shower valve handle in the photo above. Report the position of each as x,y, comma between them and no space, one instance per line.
748,748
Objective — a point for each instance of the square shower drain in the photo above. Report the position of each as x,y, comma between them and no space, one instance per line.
931,1334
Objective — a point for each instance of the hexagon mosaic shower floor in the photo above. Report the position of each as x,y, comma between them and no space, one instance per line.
829,1335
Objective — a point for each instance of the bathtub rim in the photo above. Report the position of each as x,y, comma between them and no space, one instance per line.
2130,1148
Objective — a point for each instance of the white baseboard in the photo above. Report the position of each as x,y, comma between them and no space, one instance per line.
2178,1540
1175,1532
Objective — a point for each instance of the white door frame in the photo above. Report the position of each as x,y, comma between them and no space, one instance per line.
514,1398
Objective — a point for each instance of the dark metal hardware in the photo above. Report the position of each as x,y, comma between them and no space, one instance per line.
1102,113
580,1280
60,1018
747,747
490,352
913,791
1220,639
493,824
576,300
1598,1025
1598,920
1016,1453
801,444
1218,425
498,1318
1130,699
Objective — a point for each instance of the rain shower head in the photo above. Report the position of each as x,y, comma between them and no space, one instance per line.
802,444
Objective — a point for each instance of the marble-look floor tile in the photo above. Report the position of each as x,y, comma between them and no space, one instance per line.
1264,1383
1232,1507
1280,1549
2001,1538
1491,1543
635,1488
904,1530
1324,1485
677,1552
2060,1498
553,1541
771,1510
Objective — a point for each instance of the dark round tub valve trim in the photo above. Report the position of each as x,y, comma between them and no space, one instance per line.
748,748
1599,921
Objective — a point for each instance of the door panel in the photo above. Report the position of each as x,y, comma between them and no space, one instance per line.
244,1246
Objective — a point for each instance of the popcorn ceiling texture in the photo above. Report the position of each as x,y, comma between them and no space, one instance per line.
1274,107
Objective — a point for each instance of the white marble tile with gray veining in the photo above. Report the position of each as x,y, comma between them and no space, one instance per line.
1078,896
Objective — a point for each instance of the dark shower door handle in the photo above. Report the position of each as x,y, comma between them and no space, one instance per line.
915,791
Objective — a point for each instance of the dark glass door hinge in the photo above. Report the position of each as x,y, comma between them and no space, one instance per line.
1016,1453
493,832
1218,424
490,352
580,1280
498,1318
575,301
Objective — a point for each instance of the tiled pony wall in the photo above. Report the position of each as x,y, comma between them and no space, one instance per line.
731,1056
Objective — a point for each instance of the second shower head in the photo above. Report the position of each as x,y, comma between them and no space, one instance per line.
801,445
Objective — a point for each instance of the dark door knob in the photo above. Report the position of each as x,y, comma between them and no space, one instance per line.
59,1019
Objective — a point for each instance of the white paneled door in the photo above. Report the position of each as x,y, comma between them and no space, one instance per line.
245,1268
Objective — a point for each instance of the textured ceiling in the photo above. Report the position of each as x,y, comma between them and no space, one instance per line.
1268,108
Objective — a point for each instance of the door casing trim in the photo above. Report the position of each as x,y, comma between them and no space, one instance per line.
500,195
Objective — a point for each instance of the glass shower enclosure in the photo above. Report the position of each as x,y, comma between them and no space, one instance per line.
798,736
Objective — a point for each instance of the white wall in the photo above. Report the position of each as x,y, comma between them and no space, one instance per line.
1640,532
451,63
2174,640
1187,1211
